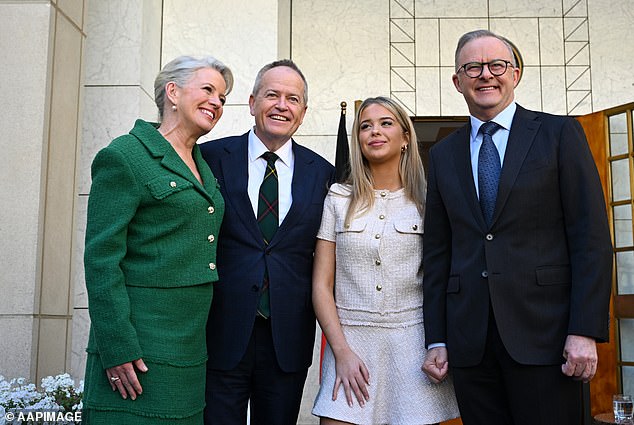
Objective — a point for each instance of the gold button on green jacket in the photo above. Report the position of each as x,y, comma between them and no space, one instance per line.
150,261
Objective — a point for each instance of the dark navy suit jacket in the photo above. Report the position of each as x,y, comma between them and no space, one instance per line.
544,264
242,258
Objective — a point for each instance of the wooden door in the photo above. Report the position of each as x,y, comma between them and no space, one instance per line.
609,135
604,383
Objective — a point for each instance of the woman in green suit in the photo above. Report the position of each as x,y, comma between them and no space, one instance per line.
153,218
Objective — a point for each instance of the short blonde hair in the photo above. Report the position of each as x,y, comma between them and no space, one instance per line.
181,69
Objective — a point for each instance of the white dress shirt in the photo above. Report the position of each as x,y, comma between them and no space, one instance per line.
257,167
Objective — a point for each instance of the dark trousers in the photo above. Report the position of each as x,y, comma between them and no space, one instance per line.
275,395
500,391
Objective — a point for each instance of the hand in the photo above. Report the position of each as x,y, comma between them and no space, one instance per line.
581,357
353,375
127,384
436,365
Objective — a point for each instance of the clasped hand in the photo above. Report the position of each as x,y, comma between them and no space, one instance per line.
435,364
581,357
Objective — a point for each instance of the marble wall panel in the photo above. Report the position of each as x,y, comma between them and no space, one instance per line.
451,101
577,53
344,52
243,34
113,46
579,102
451,30
24,42
150,51
553,89
524,8
578,78
452,9
576,28
551,41
612,42
524,33
427,42
528,92
428,93
15,350
323,144
577,8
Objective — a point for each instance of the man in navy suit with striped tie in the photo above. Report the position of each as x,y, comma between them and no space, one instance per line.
261,327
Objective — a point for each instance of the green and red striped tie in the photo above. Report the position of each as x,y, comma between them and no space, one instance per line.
268,220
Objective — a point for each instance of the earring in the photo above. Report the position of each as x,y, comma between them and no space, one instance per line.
403,148
173,107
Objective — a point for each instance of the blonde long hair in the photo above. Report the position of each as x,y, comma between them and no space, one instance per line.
410,166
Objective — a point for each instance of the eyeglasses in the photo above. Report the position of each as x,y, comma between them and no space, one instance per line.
496,67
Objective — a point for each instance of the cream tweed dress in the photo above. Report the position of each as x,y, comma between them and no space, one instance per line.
379,299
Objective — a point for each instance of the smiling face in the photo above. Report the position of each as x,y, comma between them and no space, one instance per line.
278,106
486,95
200,101
381,137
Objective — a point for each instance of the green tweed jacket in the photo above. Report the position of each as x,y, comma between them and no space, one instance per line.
151,224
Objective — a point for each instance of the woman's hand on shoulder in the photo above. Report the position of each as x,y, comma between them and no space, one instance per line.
124,379
353,375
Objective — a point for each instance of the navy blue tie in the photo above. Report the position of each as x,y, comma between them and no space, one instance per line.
488,170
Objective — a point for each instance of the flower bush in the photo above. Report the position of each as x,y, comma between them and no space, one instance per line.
56,394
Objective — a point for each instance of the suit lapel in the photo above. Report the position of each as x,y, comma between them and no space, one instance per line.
462,161
523,131
301,189
235,173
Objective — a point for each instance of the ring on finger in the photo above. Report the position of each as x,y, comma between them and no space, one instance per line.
114,379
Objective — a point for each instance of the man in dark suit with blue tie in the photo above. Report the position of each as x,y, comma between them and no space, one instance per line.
517,252
261,327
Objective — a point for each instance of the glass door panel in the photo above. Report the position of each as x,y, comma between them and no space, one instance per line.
621,156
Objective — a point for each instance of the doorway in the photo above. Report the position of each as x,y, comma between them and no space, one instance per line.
430,130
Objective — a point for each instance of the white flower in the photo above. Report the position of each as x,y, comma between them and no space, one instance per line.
18,394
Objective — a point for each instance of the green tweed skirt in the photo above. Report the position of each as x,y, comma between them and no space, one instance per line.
170,325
